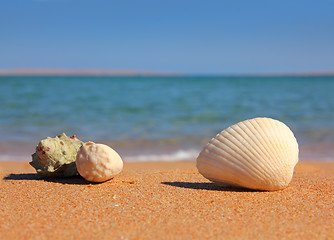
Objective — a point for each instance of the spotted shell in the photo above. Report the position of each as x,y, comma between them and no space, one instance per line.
55,157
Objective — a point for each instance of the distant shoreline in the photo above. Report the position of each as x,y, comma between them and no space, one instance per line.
106,72
81,72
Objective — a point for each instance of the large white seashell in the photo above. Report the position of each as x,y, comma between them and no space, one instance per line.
259,153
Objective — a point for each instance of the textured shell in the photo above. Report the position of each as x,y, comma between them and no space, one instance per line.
98,162
259,153
55,157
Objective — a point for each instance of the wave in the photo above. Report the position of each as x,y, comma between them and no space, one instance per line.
14,157
179,155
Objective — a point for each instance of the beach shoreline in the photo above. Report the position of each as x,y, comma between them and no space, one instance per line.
163,150
164,200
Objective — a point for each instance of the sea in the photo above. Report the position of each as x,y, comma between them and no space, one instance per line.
165,118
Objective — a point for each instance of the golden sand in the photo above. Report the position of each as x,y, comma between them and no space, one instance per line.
164,200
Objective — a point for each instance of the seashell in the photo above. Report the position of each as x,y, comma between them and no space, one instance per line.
55,157
258,153
98,162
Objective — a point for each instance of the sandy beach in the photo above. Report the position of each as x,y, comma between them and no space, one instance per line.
247,89
164,200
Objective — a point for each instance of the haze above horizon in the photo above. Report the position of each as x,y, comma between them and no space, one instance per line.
194,37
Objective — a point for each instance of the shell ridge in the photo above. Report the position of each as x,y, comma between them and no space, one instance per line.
234,155
282,153
217,158
210,163
230,159
259,127
258,143
276,153
242,155
272,170
226,177
282,144
280,149
251,156
254,148
287,146
248,162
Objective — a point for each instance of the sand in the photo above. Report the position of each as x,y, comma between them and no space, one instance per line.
162,200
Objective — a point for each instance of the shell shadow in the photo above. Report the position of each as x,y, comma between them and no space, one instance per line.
76,180
208,186
22,176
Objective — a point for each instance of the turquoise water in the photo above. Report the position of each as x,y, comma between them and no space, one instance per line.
150,117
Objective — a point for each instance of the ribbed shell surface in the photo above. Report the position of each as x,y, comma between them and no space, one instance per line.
259,153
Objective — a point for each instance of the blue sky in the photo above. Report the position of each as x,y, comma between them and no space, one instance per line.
197,37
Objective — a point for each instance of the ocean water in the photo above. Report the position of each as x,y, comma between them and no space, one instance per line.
161,118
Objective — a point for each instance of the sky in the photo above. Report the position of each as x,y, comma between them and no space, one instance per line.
179,36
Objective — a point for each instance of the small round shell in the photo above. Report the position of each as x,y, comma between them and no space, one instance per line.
98,162
258,153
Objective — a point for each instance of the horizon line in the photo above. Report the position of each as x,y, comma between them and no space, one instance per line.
119,72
